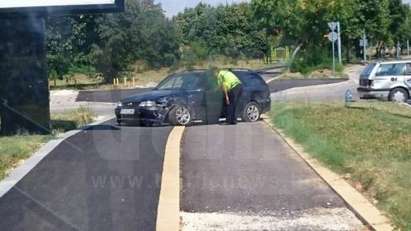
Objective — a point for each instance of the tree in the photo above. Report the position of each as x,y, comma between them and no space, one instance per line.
142,32
207,31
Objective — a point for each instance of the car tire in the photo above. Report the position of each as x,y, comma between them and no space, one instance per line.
251,112
180,116
399,95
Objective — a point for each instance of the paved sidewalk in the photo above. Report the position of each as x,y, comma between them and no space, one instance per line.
104,178
246,177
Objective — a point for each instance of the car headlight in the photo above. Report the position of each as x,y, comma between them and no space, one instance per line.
147,104
120,104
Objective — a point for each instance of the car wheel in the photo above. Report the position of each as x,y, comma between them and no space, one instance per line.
399,95
252,112
180,116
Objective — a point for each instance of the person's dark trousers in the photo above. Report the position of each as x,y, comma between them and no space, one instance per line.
234,97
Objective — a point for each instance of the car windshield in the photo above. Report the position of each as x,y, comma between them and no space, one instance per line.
186,81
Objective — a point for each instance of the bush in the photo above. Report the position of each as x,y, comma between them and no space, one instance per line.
312,59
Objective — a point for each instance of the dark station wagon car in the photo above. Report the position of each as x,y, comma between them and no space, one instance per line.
194,96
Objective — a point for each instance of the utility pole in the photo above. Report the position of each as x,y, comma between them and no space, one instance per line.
408,47
398,49
339,42
364,42
333,42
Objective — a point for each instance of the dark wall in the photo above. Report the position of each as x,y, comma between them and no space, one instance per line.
23,75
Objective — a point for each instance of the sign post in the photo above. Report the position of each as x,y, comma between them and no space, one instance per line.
333,36
24,88
364,45
339,42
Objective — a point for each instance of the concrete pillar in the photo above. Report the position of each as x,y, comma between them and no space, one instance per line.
24,92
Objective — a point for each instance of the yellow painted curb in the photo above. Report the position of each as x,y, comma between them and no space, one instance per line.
168,211
364,209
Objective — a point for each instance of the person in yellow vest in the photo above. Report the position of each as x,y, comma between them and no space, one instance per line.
232,87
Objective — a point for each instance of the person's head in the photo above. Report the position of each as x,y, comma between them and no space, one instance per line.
213,70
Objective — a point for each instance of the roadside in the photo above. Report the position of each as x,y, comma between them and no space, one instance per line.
15,149
367,143
322,93
62,101
246,177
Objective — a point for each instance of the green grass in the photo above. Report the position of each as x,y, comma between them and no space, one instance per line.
16,148
13,149
370,142
71,120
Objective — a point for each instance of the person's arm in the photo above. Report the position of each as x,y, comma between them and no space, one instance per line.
220,80
227,99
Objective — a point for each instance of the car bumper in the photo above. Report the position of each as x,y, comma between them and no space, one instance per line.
157,116
367,93
266,106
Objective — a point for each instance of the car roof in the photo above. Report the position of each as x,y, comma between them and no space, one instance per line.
205,70
394,62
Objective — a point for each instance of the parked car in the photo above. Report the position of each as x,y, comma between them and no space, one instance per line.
194,96
386,80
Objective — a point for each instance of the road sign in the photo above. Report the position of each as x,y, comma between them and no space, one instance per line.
58,6
362,43
333,36
332,25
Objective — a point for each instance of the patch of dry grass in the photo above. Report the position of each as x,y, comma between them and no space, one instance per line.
370,142
318,74
13,149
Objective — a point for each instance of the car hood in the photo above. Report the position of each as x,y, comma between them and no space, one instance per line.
151,95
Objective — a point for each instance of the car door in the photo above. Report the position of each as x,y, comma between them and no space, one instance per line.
407,75
388,75
195,88
254,88
214,99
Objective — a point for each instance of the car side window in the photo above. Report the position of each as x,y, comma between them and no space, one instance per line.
391,69
191,81
250,79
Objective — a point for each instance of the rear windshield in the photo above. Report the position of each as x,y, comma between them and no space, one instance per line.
367,71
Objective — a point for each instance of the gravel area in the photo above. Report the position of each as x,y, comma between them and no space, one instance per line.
316,219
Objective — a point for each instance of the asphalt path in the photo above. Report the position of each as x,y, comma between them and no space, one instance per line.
108,96
104,178
284,84
245,177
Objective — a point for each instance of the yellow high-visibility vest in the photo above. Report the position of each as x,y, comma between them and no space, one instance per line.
228,80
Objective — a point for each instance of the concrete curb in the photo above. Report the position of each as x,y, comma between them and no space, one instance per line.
168,211
364,209
21,171
406,104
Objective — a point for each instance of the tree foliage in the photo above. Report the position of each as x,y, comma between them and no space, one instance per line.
112,43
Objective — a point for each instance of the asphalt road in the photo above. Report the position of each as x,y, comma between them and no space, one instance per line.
284,84
108,96
105,178
245,177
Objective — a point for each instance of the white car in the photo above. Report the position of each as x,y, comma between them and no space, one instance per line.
386,80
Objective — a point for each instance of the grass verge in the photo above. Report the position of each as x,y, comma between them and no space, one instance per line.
368,143
14,149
